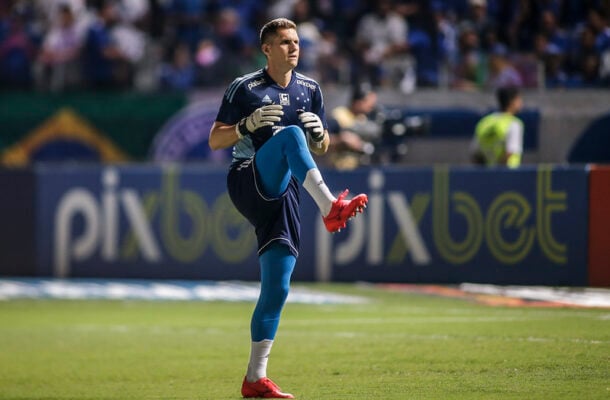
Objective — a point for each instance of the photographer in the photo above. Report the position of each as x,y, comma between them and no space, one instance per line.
352,130
365,133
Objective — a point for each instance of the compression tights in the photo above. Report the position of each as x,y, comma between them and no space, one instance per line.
283,155
277,264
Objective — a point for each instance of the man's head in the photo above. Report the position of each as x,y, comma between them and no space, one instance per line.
364,99
509,99
271,28
280,42
66,16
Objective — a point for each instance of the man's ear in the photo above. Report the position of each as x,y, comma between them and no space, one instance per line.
265,48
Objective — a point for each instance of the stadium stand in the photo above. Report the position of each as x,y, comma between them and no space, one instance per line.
183,44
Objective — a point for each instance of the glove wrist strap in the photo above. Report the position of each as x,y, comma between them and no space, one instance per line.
241,130
317,138
316,141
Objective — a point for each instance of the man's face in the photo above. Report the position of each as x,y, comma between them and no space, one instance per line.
365,105
283,49
517,104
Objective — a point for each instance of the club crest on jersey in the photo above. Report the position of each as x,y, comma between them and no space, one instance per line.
284,99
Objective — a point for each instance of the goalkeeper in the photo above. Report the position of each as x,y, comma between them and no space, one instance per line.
273,118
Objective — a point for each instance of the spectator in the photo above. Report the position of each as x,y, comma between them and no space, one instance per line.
584,61
180,72
553,32
598,21
432,42
381,44
386,42
105,66
17,50
58,63
227,52
502,73
482,23
599,24
469,71
280,8
310,38
552,58
134,11
525,25
186,19
49,12
448,33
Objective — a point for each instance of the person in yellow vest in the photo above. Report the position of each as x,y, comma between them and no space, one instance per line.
498,138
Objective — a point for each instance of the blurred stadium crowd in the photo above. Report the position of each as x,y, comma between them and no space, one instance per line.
60,45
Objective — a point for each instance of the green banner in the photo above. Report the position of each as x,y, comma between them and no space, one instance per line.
117,125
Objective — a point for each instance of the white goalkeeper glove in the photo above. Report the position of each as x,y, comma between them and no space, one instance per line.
263,116
313,126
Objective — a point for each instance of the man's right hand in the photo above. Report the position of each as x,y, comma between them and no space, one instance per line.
263,116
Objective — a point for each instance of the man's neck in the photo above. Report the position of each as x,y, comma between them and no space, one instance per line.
282,78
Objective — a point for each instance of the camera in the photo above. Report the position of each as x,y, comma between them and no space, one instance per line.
395,127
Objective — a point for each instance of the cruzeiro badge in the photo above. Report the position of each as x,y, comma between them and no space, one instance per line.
284,99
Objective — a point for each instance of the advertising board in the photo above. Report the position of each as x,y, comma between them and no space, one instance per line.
440,224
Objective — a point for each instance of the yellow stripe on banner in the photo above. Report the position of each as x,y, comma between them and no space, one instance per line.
65,124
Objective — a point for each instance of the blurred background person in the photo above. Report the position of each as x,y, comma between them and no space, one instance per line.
187,22
598,20
353,129
498,138
105,63
58,62
179,72
381,45
225,51
502,72
584,60
365,132
18,47
469,71
310,38
432,43
482,23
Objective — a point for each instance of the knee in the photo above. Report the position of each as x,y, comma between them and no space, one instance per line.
293,135
275,295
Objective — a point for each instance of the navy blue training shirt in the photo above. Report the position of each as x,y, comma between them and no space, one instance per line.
257,89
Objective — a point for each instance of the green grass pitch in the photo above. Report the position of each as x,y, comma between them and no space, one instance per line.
397,346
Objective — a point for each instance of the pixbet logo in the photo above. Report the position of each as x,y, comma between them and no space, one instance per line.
509,227
169,224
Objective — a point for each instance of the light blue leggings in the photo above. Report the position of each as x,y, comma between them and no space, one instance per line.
282,156
277,264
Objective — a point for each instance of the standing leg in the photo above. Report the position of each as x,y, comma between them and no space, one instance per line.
277,264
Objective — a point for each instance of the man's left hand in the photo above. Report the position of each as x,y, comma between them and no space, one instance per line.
313,126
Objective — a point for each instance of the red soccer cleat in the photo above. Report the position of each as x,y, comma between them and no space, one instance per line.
263,388
343,210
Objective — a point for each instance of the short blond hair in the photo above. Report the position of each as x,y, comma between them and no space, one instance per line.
270,28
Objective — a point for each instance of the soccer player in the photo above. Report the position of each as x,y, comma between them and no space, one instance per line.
273,118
